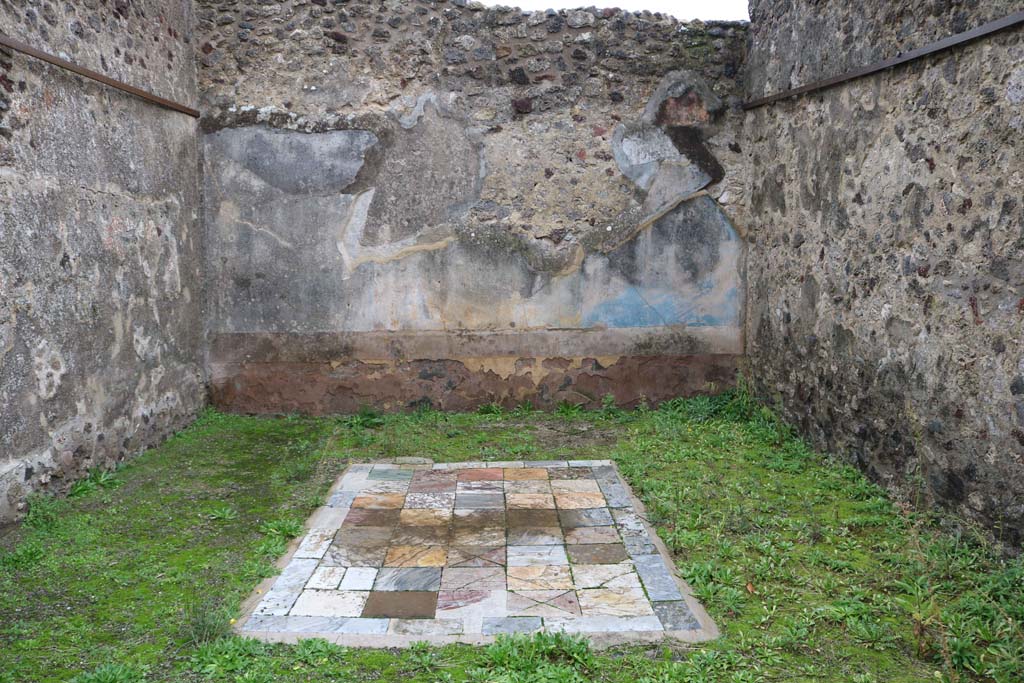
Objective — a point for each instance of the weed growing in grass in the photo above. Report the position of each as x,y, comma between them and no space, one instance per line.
112,673
43,511
285,529
366,418
490,409
568,411
204,622
317,651
223,513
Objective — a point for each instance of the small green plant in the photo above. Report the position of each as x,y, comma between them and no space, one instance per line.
104,479
225,657
366,418
82,487
524,409
568,410
204,622
530,653
424,657
492,409
282,528
111,673
43,511
223,513
317,651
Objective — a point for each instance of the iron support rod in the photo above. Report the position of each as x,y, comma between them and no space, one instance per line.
98,77
1015,19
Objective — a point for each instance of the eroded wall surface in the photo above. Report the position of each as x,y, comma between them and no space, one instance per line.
885,278
100,247
438,203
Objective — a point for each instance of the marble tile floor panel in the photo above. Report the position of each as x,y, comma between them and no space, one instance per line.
464,552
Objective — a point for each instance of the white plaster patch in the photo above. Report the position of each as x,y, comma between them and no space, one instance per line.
49,368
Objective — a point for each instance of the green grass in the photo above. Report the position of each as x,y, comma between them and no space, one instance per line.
810,571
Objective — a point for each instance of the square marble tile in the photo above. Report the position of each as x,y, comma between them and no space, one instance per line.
528,486
480,486
326,578
543,603
525,473
614,602
480,537
416,556
575,486
592,517
536,555
329,603
470,556
404,605
420,535
530,501
408,579
539,578
380,501
435,501
533,518
473,578
597,553
579,501
369,517
358,579
534,535
480,501
592,534
489,473
605,575
570,473
425,517
478,519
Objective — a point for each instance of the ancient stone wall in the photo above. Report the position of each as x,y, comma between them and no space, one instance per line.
885,277
100,247
435,202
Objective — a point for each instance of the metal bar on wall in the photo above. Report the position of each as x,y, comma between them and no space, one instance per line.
88,73
1015,19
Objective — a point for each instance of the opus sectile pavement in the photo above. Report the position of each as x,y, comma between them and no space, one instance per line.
467,551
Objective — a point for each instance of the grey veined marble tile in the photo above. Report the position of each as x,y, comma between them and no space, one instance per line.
496,625
676,616
658,581
408,579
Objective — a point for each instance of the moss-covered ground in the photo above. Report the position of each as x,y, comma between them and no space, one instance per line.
810,571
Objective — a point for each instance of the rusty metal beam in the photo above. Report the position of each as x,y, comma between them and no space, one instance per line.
1015,19
18,46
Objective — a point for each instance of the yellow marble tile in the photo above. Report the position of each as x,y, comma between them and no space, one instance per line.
381,501
424,517
579,501
415,556
539,577
529,501
614,602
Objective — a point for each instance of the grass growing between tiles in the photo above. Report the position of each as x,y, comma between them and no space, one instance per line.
810,572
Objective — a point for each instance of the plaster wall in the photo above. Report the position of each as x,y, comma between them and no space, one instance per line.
885,282
437,203
100,245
